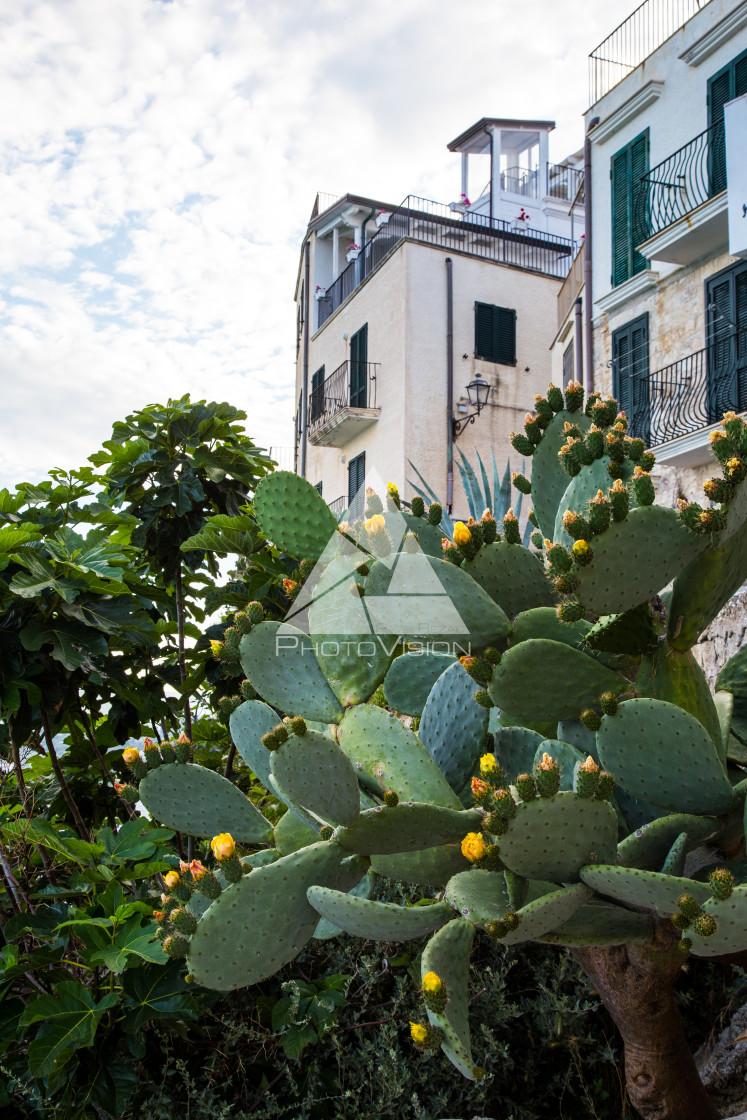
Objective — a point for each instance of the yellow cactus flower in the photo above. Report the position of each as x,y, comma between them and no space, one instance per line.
182,738
728,417
197,869
473,846
480,789
419,1033
222,846
216,648
172,879
462,535
589,766
547,763
581,549
392,488
149,745
488,765
343,527
130,755
375,524
159,915
432,983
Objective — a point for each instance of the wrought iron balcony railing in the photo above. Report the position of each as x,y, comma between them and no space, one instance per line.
563,181
339,505
680,183
352,385
634,40
436,224
690,394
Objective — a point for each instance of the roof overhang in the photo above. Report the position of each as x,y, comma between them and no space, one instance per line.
474,138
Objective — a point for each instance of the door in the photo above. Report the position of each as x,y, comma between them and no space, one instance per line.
630,375
726,299
357,486
359,368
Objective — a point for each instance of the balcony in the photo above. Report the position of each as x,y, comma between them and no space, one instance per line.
469,232
685,398
634,40
681,204
343,405
339,505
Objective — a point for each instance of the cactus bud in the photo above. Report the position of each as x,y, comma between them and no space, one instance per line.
717,489
242,622
619,500
269,742
680,922
495,824
526,787
565,585
721,446
426,1037
568,460
591,719
492,655
543,407
689,906
175,946
522,483
532,428
326,832
520,443
208,885
599,513
615,447
128,793
585,778
547,776
451,553
488,527
481,791
391,799
496,929
255,611
227,705
280,731
643,487
483,699
635,448
608,702
558,558
435,513
297,726
570,612
576,526
168,753
735,469
435,994
462,535
706,925
473,846
580,451
152,755
232,869
504,804
605,785
615,470
134,762
511,533
712,520
685,944
184,920
574,396
722,883
690,515
511,920
555,398
417,505
647,461
536,539
182,749
594,398
594,441
583,553
480,671
492,861
392,493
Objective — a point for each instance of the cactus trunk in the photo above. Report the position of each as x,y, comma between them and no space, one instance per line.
635,983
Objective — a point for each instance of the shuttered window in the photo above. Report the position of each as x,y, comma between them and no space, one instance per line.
356,486
728,83
630,382
568,362
316,402
359,368
629,223
495,334
726,309
318,486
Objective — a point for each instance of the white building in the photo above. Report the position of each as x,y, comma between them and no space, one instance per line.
401,308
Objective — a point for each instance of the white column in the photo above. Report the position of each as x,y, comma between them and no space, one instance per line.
465,174
544,150
496,195
335,253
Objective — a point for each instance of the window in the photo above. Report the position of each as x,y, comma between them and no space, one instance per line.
726,339
359,368
357,486
495,334
628,209
318,487
316,402
728,83
568,363
630,374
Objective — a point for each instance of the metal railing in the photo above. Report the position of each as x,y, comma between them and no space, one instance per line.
339,505
634,40
690,394
436,224
563,181
352,385
520,180
680,183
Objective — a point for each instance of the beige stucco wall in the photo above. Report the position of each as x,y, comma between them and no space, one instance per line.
404,304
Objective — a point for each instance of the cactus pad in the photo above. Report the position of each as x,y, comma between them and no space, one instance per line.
660,752
553,838
596,924
383,921
201,803
453,726
648,889
677,678
648,846
405,828
704,586
318,775
293,515
549,477
447,954
582,489
515,749
546,912
543,622
479,896
635,558
261,922
279,661
566,756
429,867
731,926
292,834
546,680
411,678
248,723
512,576
387,755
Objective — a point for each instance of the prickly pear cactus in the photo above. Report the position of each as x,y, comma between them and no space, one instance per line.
566,756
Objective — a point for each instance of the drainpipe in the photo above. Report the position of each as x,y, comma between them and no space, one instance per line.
305,376
449,384
579,339
589,347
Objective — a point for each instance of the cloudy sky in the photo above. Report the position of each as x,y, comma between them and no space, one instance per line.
159,165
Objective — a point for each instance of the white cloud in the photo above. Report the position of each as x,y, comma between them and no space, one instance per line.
160,161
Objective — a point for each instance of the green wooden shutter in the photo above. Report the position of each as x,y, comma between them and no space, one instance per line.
568,363
317,394
495,334
356,486
484,332
630,374
638,231
620,224
629,223
358,367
